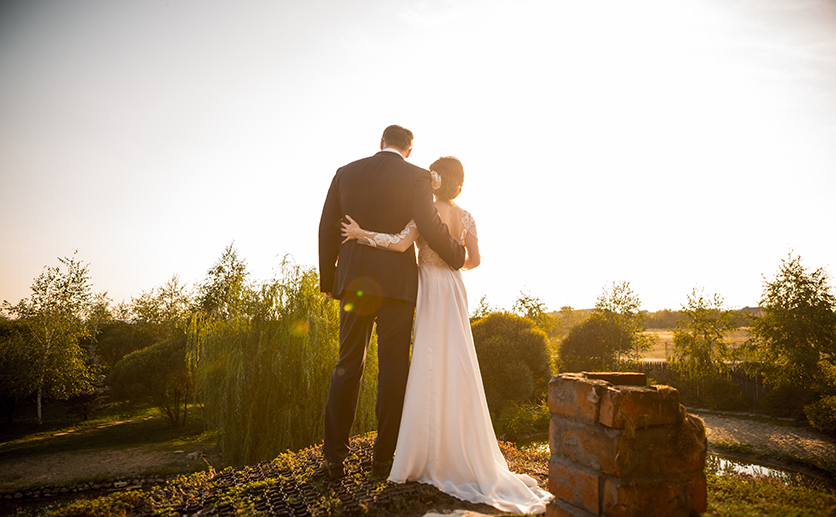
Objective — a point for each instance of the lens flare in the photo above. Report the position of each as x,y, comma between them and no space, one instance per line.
348,307
300,328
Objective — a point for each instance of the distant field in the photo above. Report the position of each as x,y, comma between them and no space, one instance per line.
664,345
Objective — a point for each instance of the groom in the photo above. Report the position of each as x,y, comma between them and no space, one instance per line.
382,193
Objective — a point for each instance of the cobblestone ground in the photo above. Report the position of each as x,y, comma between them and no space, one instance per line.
294,486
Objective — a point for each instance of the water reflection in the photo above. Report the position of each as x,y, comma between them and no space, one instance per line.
721,465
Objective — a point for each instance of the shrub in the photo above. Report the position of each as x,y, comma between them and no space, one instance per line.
787,401
822,414
592,345
518,420
724,394
158,372
513,359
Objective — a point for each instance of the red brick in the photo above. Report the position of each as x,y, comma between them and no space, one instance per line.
625,498
635,407
574,486
598,448
619,378
558,508
698,493
617,452
573,395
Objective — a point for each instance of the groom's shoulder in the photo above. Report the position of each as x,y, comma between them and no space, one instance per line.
384,159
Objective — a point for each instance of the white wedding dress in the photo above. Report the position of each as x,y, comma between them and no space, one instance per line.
446,436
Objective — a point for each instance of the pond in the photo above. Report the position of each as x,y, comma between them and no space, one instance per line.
718,464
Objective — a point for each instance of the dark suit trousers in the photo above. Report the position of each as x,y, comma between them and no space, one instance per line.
394,331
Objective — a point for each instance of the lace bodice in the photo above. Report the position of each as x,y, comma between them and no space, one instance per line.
427,255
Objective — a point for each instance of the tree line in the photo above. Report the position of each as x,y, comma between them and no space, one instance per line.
256,357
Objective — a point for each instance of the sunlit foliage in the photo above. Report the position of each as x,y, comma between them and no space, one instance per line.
513,359
798,327
621,306
54,317
263,370
700,340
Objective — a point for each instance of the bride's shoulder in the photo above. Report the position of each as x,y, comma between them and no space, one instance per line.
462,213
468,222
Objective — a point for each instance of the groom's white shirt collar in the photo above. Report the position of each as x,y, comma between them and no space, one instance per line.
393,150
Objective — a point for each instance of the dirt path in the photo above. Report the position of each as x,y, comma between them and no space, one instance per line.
62,468
799,441
65,468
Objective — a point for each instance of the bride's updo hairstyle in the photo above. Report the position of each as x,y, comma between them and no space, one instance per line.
452,177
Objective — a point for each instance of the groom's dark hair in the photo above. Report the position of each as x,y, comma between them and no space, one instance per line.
398,137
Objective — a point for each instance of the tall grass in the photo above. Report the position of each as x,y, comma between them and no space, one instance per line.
263,374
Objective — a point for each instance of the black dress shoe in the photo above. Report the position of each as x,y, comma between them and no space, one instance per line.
382,469
333,470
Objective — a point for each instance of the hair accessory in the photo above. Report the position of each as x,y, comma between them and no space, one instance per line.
436,180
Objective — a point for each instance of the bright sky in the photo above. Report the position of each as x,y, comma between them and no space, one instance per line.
669,144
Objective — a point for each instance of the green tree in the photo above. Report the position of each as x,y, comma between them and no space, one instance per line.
55,319
700,344
164,310
483,309
224,292
797,328
592,345
664,319
159,372
513,359
118,338
263,374
621,306
16,374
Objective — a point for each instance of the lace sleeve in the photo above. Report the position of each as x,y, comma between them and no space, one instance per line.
396,242
468,226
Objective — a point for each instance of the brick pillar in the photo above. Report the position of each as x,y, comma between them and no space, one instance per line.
620,448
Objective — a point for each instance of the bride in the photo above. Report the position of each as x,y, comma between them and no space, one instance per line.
446,438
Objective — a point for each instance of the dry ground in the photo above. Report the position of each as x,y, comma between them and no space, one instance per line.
664,344
62,468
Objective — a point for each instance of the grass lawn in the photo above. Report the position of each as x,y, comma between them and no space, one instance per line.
740,496
119,426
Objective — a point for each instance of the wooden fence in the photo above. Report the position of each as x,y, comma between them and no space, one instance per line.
752,386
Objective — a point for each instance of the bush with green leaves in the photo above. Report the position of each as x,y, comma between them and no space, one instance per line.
159,372
822,413
592,345
513,359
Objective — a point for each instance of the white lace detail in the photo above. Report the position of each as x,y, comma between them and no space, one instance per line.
469,226
436,180
384,240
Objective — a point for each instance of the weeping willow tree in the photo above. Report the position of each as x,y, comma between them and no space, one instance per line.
263,371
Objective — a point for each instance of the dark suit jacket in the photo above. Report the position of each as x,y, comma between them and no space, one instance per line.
382,193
